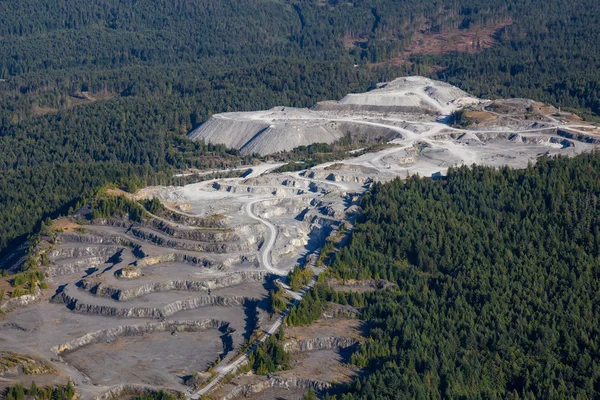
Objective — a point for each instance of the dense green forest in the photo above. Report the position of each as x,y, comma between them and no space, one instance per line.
160,395
18,392
270,355
498,284
97,92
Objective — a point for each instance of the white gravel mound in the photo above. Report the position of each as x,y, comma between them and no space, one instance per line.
267,132
228,130
413,91
279,137
283,128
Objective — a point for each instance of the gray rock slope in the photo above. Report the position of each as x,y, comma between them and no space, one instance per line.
283,128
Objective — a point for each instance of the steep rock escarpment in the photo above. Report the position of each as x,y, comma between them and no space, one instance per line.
74,266
148,312
275,381
321,343
109,335
81,251
119,391
179,285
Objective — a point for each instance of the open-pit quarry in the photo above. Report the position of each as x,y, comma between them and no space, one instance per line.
170,301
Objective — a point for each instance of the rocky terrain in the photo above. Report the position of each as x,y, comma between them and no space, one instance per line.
283,128
149,303
319,352
139,304
413,114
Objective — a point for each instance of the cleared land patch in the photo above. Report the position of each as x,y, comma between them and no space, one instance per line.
152,359
469,40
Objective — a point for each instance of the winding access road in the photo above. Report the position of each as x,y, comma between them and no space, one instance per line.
267,246
223,370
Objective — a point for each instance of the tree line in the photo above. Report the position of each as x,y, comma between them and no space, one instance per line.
497,280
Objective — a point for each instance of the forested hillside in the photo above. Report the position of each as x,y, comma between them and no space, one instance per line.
498,282
92,92
551,53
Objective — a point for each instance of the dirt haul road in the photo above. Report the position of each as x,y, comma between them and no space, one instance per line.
266,248
224,370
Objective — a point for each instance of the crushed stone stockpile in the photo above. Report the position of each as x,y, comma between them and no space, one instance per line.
414,115
284,128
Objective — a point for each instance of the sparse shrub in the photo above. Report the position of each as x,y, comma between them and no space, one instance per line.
459,119
299,277
247,367
18,292
32,277
160,395
154,206
310,395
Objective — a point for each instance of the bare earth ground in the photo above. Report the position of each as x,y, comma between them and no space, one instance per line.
462,40
326,327
279,394
135,359
322,365
65,224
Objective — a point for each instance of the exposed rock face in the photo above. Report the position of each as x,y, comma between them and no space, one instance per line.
210,247
180,285
129,272
322,343
176,257
199,261
83,252
73,266
120,223
578,136
94,239
122,390
257,190
22,301
198,379
149,312
197,234
346,173
201,222
340,311
284,206
275,381
110,335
